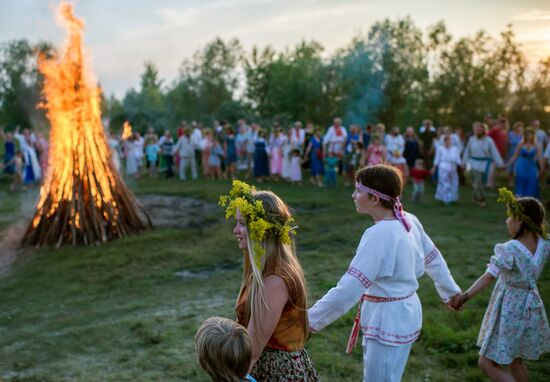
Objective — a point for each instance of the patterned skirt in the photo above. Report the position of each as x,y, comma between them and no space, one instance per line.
278,365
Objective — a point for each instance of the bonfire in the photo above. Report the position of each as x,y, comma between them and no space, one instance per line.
83,200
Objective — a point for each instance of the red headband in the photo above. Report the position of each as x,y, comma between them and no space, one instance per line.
397,206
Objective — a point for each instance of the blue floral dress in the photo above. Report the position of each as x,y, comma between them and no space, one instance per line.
515,323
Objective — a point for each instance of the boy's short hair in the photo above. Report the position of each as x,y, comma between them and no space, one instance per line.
383,178
224,349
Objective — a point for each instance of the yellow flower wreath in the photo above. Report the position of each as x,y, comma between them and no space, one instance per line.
257,220
515,210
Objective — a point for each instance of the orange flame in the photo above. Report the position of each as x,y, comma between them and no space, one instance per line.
126,130
82,189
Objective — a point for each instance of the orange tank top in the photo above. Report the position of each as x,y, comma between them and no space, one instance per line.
289,334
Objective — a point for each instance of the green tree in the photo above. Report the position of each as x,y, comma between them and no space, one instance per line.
20,84
147,108
290,85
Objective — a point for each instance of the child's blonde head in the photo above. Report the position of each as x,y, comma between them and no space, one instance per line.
224,349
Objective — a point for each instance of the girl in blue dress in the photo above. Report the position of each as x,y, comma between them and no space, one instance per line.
526,156
315,152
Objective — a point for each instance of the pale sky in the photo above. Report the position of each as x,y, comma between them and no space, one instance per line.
122,34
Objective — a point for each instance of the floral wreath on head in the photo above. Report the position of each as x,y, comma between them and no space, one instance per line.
515,210
258,221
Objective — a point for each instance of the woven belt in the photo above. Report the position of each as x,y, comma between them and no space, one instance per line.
357,321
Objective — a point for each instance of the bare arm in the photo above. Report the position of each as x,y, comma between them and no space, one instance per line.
276,299
308,150
540,159
478,286
515,156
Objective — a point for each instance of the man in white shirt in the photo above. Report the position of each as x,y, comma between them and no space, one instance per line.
334,140
479,153
186,150
298,137
395,144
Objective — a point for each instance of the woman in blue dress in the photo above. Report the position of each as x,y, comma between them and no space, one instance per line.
315,152
261,159
526,156
514,139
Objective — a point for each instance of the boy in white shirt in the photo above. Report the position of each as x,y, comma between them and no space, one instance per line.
382,277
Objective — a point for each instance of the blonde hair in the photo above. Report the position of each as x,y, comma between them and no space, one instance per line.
279,259
224,349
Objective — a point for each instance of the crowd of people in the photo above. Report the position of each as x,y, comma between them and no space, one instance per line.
25,157
442,155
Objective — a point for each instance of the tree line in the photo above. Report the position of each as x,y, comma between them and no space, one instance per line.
394,73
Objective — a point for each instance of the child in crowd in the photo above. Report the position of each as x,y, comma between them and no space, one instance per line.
419,175
515,326
331,169
224,350
398,161
214,160
376,152
295,172
152,150
382,277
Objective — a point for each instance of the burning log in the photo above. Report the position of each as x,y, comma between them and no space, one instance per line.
83,199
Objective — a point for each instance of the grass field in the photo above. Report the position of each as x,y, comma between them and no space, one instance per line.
119,312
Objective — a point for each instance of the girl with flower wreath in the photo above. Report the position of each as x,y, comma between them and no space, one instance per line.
515,326
272,301
382,278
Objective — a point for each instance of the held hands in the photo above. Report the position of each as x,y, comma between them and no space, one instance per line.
457,301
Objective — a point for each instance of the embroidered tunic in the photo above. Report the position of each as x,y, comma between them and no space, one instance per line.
480,152
515,323
387,264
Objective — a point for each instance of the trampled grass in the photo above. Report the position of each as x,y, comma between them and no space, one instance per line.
119,312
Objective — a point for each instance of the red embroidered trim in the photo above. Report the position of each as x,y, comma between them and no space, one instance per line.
381,332
369,298
431,256
360,276
378,338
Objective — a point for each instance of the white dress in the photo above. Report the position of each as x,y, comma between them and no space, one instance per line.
447,159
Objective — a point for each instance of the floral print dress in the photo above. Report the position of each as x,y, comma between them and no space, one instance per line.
515,323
